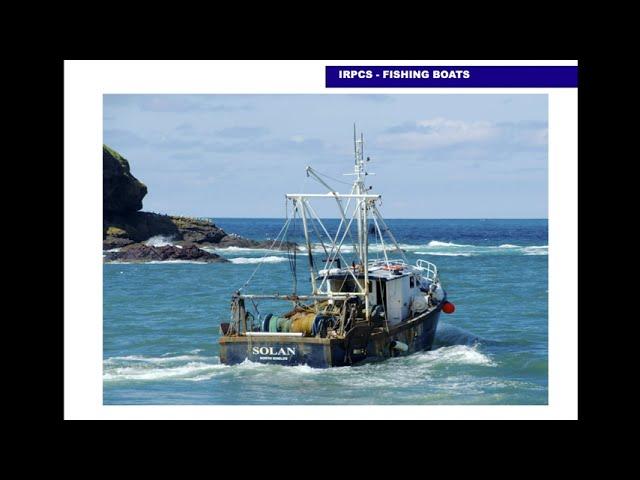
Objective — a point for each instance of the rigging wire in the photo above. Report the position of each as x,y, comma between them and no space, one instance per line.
292,256
331,178
284,229
315,229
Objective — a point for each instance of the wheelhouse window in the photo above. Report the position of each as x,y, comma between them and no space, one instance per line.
344,285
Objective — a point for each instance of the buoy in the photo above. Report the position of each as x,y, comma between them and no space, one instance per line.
398,345
448,307
393,268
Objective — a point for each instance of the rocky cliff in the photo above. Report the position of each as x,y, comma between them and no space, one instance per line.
125,226
122,192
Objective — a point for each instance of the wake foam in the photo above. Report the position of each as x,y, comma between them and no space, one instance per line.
456,354
393,372
134,368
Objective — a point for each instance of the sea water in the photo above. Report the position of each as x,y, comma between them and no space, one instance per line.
161,323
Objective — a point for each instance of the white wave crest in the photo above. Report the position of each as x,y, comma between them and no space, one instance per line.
156,262
269,259
460,354
399,371
152,360
436,243
445,254
239,249
159,241
536,250
193,371
141,368
438,248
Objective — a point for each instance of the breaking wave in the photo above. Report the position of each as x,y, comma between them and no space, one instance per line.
239,249
445,254
269,259
159,241
156,262
436,243
449,249
535,250
434,247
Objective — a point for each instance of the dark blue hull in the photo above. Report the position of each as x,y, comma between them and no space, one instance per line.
362,345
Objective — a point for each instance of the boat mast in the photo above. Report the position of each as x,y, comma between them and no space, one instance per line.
363,203
301,202
363,231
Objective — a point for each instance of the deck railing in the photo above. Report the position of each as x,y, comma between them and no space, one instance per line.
425,268
428,269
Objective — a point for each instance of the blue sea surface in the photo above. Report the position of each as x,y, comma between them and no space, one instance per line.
161,324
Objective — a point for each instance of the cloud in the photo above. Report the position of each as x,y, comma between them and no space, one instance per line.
184,104
441,133
296,144
434,133
185,156
172,103
123,139
242,132
525,134
179,144
185,127
372,97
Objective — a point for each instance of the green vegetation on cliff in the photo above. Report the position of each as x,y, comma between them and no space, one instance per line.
122,192
124,225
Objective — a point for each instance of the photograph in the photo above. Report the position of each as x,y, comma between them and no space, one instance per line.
339,248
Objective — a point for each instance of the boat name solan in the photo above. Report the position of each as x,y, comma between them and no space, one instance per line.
274,351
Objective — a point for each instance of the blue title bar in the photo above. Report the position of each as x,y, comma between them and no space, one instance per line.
451,76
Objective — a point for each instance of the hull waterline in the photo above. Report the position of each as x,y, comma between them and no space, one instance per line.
413,336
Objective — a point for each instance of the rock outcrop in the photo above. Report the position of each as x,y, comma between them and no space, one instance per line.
125,226
233,240
140,226
122,192
144,253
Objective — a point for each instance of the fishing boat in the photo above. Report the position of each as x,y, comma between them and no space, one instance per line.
363,306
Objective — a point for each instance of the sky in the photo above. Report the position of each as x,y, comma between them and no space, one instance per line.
433,156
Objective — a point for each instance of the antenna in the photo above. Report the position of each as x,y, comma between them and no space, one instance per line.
355,147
